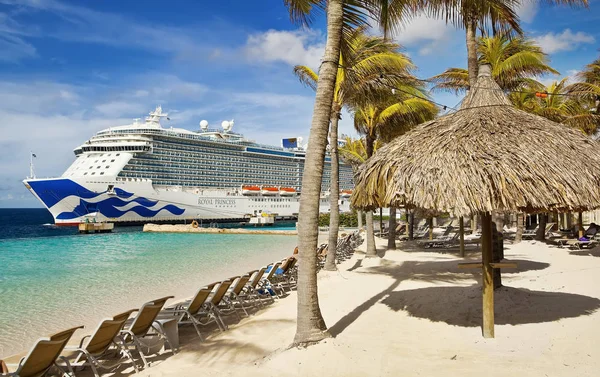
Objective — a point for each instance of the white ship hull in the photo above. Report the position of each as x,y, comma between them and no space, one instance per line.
73,200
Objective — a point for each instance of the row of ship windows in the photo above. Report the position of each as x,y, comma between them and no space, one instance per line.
191,173
166,134
162,133
243,180
159,162
195,146
218,150
221,156
206,161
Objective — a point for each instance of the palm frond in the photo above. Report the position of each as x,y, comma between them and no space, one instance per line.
307,76
303,12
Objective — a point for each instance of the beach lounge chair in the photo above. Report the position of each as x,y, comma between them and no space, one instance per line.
235,293
530,234
254,291
42,357
221,305
443,237
143,333
283,276
103,349
196,311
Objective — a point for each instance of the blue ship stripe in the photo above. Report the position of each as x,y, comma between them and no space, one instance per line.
53,191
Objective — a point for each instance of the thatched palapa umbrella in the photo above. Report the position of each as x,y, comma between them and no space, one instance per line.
488,156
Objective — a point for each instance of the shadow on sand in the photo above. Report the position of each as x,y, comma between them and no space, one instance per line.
437,270
595,252
461,306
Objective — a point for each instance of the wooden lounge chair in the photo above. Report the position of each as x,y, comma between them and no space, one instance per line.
196,311
530,233
143,332
443,241
103,349
42,356
254,291
234,295
283,276
220,305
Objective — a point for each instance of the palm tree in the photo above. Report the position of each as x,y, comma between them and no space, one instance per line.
472,15
556,104
514,62
361,65
341,15
387,119
589,86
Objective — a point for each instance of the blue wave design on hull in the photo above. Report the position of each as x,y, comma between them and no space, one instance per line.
107,208
53,191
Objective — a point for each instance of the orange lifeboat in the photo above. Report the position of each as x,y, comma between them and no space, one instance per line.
287,191
266,190
250,190
346,193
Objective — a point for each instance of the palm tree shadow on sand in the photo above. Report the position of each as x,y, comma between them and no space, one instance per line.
461,306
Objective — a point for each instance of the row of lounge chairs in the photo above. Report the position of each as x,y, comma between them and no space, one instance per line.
344,249
117,339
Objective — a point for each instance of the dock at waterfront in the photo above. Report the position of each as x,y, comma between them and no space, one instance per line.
188,228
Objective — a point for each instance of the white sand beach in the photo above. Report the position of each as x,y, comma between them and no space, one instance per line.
414,313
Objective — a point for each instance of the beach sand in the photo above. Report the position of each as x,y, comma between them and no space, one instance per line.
416,314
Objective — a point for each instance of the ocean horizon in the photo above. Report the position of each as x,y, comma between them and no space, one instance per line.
52,278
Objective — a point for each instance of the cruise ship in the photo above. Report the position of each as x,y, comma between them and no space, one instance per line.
144,172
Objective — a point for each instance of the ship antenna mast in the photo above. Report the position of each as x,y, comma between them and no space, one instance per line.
31,171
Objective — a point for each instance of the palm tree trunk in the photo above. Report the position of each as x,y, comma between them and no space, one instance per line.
369,145
471,29
359,214
380,220
392,229
541,233
411,225
520,227
310,327
334,195
371,249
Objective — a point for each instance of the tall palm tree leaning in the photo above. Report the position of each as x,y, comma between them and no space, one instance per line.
390,116
311,327
361,65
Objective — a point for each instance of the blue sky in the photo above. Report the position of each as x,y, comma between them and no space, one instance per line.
69,69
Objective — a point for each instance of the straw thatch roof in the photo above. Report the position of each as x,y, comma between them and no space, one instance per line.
486,156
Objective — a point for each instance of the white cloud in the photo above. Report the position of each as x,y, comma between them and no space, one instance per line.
551,79
565,41
301,47
527,10
426,34
79,24
13,49
121,108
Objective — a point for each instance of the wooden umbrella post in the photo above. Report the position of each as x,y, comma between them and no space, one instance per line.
487,276
430,222
461,225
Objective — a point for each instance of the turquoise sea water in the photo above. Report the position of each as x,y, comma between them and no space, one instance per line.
62,279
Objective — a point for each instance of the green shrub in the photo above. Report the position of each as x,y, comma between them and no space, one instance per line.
347,219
